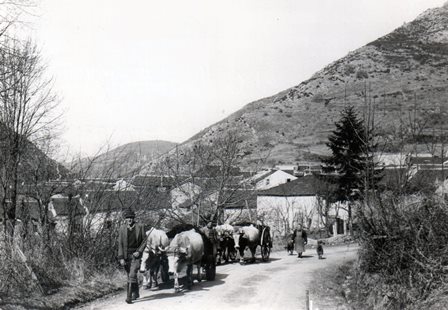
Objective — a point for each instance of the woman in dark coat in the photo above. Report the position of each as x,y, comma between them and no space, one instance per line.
300,240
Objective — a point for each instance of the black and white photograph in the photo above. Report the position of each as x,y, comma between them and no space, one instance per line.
203,154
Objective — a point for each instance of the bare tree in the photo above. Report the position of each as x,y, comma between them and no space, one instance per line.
28,115
207,180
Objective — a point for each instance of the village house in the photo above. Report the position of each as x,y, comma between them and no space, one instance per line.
269,178
295,203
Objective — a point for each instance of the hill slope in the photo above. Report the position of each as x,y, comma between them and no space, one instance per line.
402,75
125,160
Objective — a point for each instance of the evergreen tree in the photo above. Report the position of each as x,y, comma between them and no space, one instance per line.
352,157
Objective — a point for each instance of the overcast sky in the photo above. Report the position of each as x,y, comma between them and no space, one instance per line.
163,70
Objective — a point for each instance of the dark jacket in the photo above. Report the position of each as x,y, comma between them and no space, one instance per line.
123,240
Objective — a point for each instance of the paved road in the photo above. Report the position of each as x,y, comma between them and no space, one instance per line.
280,284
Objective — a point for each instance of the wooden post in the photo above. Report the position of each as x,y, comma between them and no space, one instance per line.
307,307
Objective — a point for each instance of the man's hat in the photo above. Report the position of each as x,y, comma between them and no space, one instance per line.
128,213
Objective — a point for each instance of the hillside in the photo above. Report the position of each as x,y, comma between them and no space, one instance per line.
402,75
125,160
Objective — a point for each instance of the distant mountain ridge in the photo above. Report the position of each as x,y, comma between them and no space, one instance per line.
125,160
400,74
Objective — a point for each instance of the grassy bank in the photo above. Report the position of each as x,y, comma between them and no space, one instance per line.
69,295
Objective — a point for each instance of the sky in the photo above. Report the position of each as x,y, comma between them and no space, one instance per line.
140,70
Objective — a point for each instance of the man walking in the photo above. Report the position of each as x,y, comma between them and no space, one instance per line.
131,243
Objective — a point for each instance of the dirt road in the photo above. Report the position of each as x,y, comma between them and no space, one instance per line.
280,284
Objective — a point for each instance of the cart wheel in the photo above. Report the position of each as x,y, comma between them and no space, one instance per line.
210,270
265,252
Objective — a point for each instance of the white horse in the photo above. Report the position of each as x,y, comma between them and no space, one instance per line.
246,236
188,250
156,246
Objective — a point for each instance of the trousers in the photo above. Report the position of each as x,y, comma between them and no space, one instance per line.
132,265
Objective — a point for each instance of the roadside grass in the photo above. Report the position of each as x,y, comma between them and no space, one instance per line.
70,295
330,288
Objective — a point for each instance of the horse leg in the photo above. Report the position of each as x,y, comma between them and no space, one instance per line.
176,282
189,276
156,275
241,251
151,276
252,251
145,279
199,273
225,254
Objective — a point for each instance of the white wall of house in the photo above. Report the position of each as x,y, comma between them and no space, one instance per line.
240,215
285,213
274,179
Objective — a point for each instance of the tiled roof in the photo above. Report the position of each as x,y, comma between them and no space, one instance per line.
261,175
303,186
62,206
153,180
26,208
393,177
418,160
239,199
431,175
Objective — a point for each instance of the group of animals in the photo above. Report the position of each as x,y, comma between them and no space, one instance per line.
185,246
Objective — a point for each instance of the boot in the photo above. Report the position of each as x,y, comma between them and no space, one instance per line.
135,291
129,293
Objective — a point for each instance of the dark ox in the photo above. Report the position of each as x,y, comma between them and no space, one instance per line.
226,245
153,257
187,249
246,236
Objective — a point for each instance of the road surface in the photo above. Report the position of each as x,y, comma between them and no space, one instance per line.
280,284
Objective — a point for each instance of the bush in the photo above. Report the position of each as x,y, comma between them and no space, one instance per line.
403,242
361,74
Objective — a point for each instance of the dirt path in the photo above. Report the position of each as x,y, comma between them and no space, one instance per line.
279,284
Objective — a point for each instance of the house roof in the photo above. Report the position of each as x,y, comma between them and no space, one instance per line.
303,186
391,159
26,208
391,178
261,175
240,199
309,165
212,183
110,201
231,199
153,180
63,206
425,159
431,175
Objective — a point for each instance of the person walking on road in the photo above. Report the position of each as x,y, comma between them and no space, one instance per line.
300,240
210,233
131,243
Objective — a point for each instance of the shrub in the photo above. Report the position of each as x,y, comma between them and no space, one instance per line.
403,241
361,74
